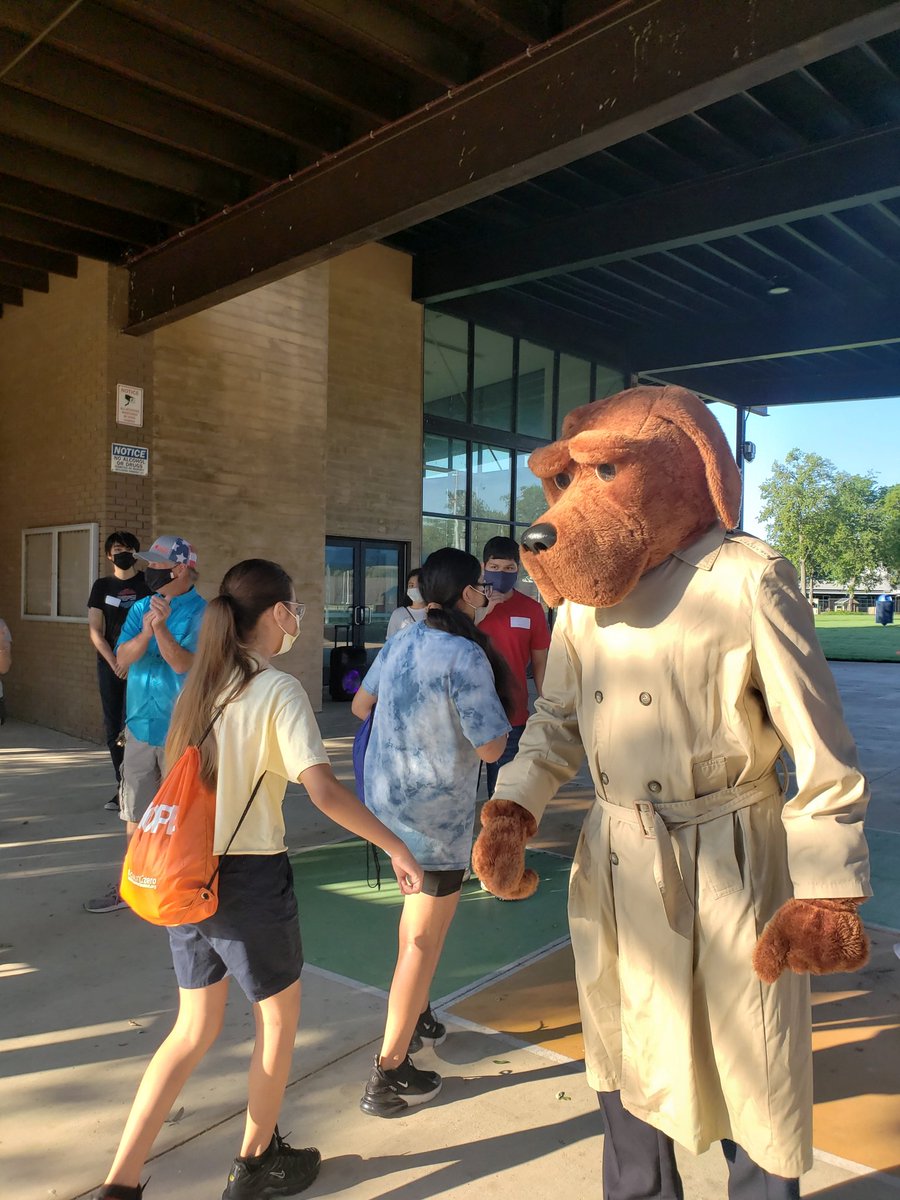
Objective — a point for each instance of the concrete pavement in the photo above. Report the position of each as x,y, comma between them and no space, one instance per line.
86,999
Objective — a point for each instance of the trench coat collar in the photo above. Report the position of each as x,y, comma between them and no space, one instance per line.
703,552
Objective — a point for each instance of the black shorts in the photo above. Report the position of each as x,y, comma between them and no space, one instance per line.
441,883
254,935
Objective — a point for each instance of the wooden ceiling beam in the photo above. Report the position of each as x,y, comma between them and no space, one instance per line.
137,232
428,50
114,41
616,75
277,50
22,160
823,179
54,236
123,104
24,277
859,321
52,127
11,295
20,254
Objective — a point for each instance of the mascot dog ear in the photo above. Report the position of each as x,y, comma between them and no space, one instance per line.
684,410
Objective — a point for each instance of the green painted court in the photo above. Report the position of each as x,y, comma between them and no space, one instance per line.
351,929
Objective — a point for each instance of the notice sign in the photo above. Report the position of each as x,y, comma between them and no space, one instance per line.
129,405
130,460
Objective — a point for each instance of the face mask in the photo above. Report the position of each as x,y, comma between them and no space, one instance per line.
415,595
502,581
289,638
157,577
124,560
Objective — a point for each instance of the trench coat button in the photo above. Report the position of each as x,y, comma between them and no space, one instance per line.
604,778
645,698
614,859
655,787
598,696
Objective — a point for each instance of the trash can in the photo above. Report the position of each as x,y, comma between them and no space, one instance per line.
346,668
884,610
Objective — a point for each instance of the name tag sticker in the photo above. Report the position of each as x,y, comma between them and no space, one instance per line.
114,601
520,622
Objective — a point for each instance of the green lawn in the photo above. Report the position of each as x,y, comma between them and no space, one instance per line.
856,637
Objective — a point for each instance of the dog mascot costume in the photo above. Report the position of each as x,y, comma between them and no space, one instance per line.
684,660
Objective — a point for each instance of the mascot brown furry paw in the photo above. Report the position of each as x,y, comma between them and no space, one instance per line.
684,660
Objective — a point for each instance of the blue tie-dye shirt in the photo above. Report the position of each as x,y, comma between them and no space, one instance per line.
436,703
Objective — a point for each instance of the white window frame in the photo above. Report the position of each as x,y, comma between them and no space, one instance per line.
93,529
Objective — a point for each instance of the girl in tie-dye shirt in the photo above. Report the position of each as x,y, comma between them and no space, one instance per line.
443,695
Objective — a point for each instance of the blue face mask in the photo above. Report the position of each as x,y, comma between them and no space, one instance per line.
501,581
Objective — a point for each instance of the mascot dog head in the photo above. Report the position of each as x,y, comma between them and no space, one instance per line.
633,479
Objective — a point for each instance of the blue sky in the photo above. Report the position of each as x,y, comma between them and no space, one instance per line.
859,436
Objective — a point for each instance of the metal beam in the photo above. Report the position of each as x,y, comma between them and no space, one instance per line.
83,214
527,21
279,51
826,178
616,75
20,254
132,50
11,295
865,320
867,383
101,95
429,50
20,160
54,236
25,277
52,127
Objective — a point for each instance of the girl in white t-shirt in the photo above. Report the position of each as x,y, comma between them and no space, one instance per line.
263,728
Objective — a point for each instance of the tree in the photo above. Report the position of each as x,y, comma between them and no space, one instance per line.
889,540
853,553
798,512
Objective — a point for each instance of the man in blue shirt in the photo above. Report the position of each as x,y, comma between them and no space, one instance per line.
156,647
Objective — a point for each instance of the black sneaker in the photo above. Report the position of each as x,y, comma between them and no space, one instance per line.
117,1191
389,1093
429,1029
279,1171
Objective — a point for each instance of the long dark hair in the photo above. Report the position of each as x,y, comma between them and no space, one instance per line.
223,658
443,578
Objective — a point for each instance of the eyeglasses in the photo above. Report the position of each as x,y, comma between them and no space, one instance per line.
486,589
296,608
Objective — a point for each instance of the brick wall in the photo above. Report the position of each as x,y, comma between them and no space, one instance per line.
239,441
374,474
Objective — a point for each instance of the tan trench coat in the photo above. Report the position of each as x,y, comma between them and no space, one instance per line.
683,696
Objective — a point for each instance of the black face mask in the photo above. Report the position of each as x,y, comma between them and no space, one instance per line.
124,560
157,577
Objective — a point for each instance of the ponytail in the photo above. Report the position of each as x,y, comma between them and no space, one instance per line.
223,662
443,578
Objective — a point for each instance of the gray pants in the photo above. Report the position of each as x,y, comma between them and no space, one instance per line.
142,772
639,1163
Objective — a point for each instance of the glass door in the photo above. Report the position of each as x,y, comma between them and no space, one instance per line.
364,583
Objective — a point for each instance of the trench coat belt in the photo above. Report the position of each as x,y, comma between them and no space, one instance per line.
659,821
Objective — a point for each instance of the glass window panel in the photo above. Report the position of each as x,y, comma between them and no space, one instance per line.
491,482
73,572
530,502
525,583
381,568
574,385
492,397
438,532
445,364
608,382
338,595
38,565
483,531
535,401
444,475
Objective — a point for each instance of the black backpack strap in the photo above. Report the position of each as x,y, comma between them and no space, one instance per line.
208,730
236,829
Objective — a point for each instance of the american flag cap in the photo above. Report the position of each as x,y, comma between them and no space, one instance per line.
170,549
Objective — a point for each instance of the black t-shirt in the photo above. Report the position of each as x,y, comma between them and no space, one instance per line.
114,597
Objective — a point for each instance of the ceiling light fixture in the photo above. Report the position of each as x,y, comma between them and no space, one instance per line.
779,290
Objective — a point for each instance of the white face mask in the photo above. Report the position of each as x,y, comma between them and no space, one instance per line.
415,595
289,638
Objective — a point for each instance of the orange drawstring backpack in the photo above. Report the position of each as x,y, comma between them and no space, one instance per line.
170,872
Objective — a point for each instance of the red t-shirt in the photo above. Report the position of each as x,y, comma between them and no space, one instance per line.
516,627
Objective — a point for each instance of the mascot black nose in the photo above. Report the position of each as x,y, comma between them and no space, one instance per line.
539,537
